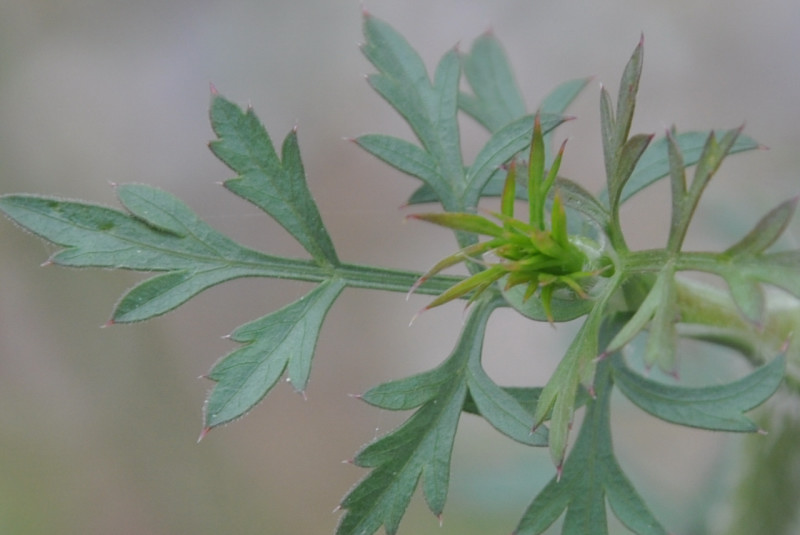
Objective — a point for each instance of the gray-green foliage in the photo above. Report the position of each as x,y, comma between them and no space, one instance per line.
633,292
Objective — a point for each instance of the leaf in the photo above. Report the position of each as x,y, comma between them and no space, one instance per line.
559,395
745,271
626,99
662,339
512,139
626,161
421,447
562,309
284,339
497,100
462,221
501,147
575,197
644,313
403,156
654,162
766,232
429,108
160,234
591,477
718,408
501,408
277,186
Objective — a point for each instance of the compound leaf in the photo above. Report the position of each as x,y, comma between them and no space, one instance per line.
277,186
429,108
283,339
421,447
160,233
719,408
591,476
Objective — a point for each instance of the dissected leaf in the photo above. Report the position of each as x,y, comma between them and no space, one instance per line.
558,397
422,446
591,477
161,234
766,232
429,108
510,140
501,408
497,100
654,162
280,341
277,186
719,408
744,272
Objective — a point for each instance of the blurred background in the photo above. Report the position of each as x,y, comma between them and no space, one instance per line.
98,426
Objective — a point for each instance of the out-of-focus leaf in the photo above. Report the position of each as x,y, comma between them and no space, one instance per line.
277,186
744,272
654,163
497,100
766,232
591,477
283,340
719,408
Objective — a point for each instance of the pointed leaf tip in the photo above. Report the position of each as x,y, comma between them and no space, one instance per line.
203,434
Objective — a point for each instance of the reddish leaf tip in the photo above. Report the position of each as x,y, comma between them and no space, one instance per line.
213,89
203,433
356,396
48,262
559,470
785,345
109,323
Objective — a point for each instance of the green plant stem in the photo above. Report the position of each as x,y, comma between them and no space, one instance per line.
353,275
393,280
